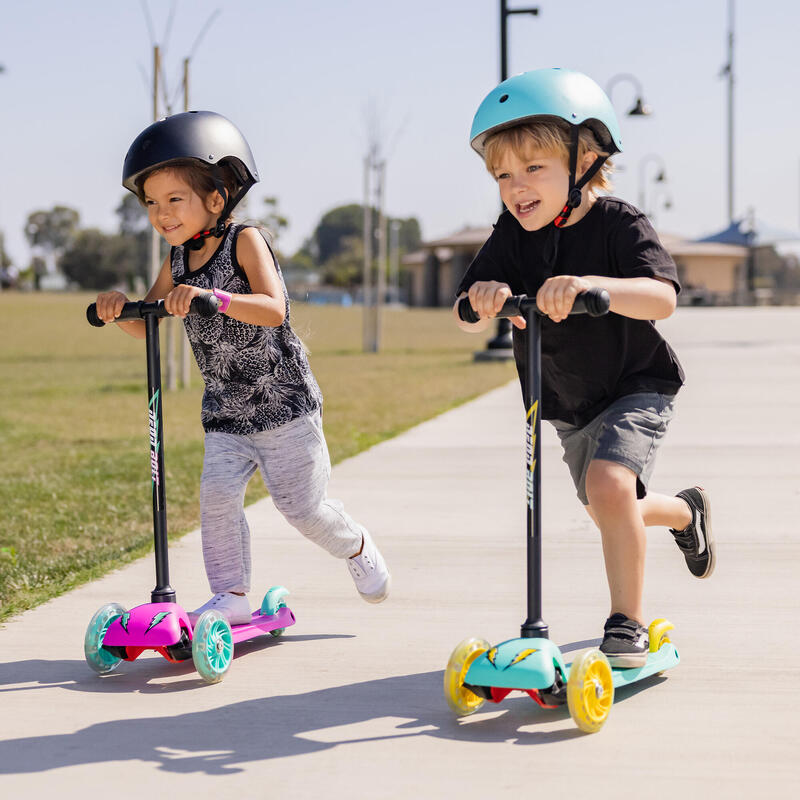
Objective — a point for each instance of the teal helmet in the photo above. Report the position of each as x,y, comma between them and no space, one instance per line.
556,94
541,93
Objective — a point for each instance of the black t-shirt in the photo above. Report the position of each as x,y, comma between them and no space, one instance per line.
587,362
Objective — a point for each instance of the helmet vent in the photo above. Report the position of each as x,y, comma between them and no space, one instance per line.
504,98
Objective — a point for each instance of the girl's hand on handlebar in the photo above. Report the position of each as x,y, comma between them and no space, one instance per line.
109,305
487,298
177,302
557,294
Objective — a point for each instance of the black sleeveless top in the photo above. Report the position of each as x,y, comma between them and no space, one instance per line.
257,378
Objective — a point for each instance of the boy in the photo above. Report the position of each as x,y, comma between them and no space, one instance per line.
608,383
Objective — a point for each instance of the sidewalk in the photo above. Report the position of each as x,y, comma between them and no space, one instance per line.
348,703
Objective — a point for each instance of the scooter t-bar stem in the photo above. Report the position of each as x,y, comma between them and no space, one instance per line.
534,626
205,305
595,302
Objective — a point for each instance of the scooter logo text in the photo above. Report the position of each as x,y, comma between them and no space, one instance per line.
152,413
530,448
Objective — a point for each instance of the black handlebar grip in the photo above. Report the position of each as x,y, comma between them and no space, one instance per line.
91,316
206,305
466,312
596,301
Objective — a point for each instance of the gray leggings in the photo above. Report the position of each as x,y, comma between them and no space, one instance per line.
295,466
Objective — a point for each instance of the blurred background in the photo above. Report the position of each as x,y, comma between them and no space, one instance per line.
332,94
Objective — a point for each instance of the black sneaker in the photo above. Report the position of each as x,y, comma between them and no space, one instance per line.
695,541
625,642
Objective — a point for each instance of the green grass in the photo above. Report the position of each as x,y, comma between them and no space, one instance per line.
74,473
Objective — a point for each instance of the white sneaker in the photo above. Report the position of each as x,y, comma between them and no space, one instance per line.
369,573
232,606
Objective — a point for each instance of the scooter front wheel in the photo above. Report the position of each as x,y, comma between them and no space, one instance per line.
590,690
212,646
458,697
97,657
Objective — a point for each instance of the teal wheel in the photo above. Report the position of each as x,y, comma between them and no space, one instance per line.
273,600
212,646
97,657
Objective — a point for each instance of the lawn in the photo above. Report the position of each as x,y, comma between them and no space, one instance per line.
74,476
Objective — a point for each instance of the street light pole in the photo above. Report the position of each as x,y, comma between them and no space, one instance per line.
501,346
728,70
660,177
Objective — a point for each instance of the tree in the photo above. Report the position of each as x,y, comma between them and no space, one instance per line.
93,259
6,278
132,252
336,228
51,231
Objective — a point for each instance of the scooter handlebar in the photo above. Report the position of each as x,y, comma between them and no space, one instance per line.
206,305
595,302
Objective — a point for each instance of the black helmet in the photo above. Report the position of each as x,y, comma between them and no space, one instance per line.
202,135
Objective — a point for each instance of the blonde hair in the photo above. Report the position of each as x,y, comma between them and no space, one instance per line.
549,138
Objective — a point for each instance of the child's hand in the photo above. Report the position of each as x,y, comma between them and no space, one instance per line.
557,294
177,302
487,298
109,305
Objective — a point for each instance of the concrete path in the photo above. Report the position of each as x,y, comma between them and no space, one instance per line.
348,704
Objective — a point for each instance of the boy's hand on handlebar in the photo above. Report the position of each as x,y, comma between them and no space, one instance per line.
487,298
178,301
109,305
557,294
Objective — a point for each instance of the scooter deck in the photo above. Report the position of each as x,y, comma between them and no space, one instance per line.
530,664
665,658
263,623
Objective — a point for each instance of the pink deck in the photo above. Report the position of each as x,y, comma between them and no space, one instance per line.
262,624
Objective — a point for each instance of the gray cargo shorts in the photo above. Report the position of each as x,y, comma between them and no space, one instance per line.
628,432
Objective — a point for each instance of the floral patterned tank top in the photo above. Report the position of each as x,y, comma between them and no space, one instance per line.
256,378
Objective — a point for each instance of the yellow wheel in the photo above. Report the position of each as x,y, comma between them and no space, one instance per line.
460,699
590,690
658,633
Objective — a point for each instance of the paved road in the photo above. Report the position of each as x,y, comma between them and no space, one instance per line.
348,704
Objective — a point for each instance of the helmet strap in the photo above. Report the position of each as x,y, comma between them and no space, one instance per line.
574,198
199,239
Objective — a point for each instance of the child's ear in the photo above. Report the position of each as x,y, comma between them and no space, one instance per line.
588,159
215,202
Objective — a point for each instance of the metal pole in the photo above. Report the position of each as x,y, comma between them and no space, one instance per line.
367,276
154,242
534,626
394,260
186,374
730,109
163,592
382,253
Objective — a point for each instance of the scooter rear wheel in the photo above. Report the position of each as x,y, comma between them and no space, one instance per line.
590,690
97,657
212,646
458,697
272,603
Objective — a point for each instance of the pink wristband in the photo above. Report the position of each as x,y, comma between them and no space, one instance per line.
224,299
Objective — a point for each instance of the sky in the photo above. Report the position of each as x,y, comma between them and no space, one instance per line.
307,82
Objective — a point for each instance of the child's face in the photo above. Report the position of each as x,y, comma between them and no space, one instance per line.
175,210
533,189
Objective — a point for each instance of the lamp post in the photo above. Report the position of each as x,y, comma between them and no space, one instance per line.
639,107
727,71
501,346
659,177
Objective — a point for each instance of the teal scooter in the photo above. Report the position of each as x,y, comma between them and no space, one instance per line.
477,671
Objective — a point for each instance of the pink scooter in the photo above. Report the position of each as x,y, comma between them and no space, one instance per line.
115,634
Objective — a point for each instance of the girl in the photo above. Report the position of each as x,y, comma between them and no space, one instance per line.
261,407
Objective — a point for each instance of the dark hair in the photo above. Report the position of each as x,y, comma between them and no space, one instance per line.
197,174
